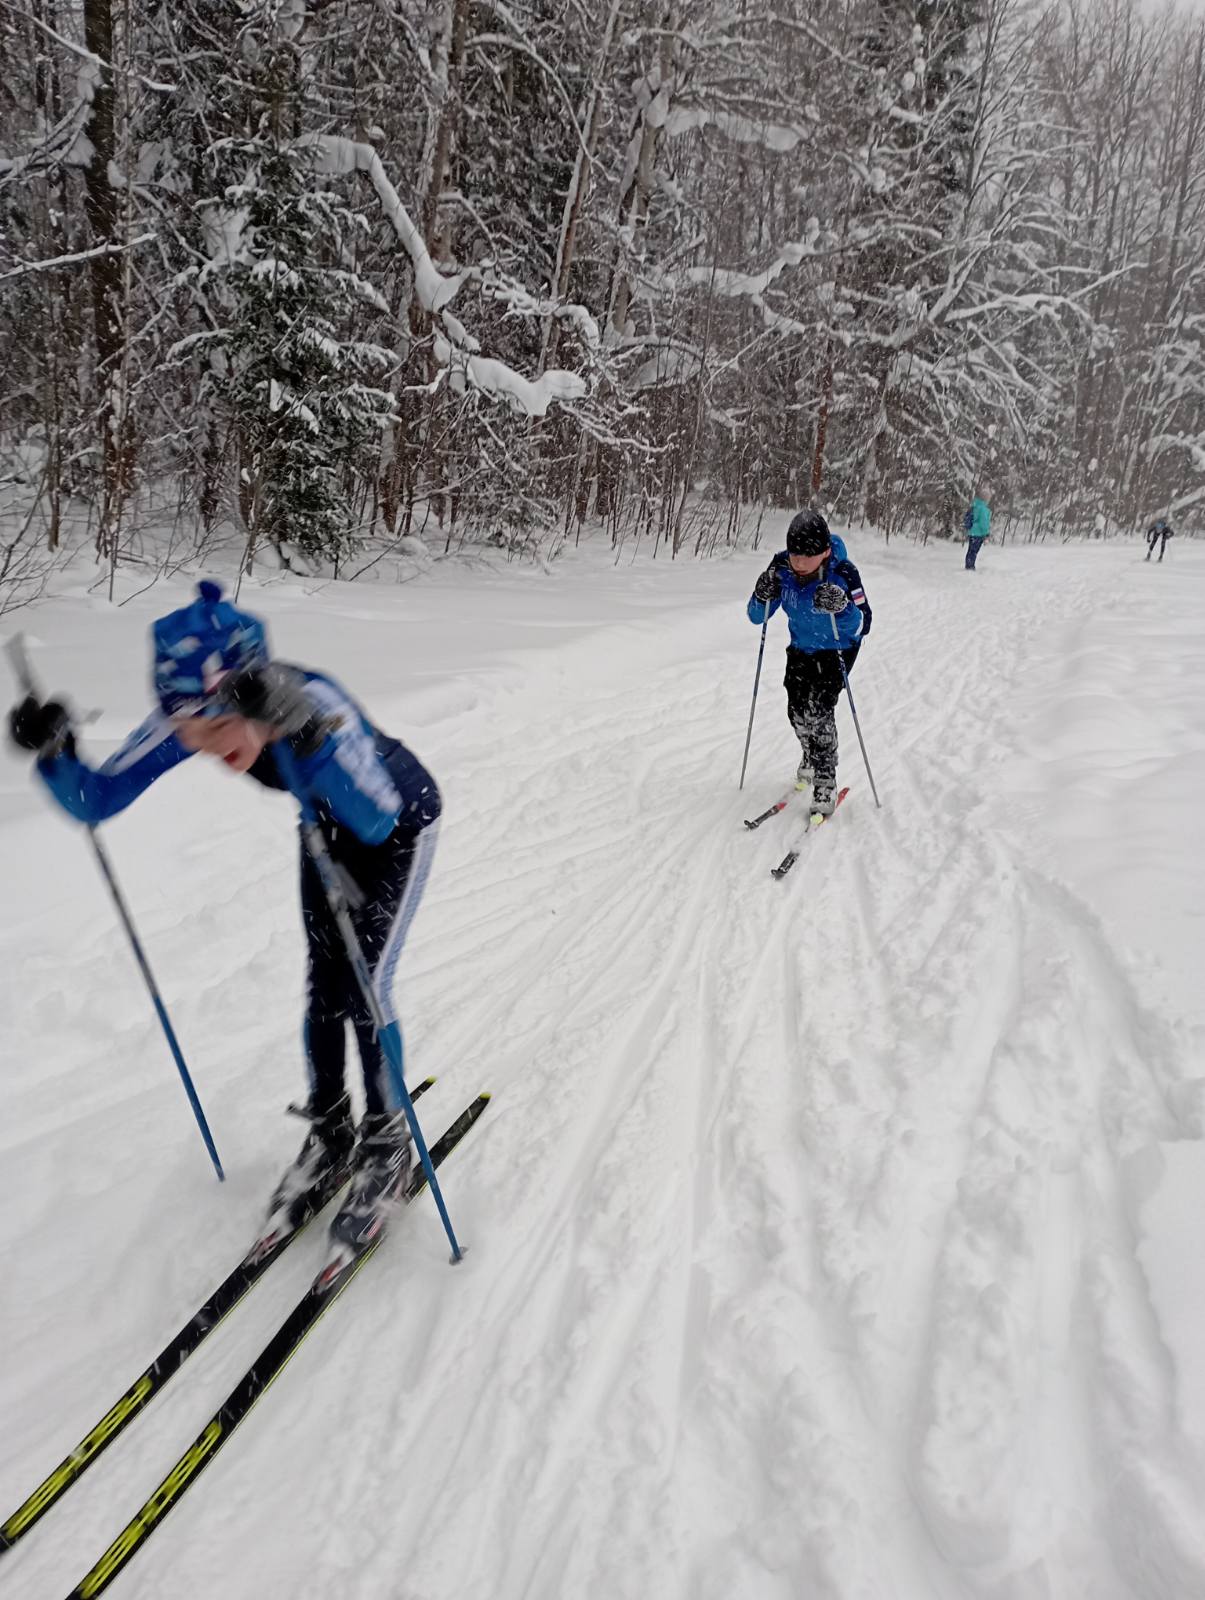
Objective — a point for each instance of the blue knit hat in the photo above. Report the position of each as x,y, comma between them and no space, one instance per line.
197,646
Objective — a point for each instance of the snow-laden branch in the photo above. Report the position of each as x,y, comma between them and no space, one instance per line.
776,136
734,285
455,348
501,382
90,56
337,156
79,255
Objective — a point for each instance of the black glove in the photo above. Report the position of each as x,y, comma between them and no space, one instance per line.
275,695
769,583
830,597
45,729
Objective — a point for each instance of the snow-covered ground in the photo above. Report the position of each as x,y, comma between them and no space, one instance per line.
837,1237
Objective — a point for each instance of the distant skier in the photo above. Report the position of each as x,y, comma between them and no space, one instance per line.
377,807
977,524
1158,533
818,586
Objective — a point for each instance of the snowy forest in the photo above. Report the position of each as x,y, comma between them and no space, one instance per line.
315,278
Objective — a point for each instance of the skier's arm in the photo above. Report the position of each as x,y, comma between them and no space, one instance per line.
333,752
767,591
761,611
849,577
90,794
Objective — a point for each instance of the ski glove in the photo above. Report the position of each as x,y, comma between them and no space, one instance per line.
45,729
769,583
830,597
275,695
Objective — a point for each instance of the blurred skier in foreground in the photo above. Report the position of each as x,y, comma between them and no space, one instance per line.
828,615
377,808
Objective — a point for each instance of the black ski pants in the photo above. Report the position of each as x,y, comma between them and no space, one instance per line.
390,877
814,683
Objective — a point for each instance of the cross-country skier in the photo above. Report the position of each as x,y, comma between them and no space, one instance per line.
977,525
828,615
1159,532
377,806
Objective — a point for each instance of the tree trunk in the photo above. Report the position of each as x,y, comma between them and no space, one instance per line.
100,207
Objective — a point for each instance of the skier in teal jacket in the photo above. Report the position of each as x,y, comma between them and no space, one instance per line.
978,525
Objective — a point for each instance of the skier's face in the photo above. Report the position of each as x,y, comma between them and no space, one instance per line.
808,566
234,740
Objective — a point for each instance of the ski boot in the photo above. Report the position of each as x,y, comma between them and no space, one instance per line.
321,1166
804,774
380,1177
824,797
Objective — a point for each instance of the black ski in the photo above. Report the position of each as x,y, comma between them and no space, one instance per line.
792,856
166,1364
268,1364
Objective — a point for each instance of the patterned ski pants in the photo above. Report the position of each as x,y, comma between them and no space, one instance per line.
813,684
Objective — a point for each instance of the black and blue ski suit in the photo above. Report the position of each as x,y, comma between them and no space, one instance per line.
378,808
820,642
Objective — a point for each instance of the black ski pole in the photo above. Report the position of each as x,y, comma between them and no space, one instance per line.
761,650
853,711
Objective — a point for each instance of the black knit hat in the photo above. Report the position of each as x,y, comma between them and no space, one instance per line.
808,535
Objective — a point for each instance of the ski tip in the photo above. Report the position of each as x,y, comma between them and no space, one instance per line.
420,1088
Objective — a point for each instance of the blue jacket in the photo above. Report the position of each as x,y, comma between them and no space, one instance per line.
359,778
811,628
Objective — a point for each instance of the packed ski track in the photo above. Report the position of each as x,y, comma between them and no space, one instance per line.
810,1228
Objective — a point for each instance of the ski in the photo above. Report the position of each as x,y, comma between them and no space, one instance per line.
267,1366
167,1363
779,805
814,821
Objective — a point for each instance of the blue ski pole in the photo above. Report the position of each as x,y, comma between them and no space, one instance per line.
24,675
761,650
165,1023
388,1033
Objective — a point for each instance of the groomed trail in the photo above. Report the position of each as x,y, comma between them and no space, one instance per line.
806,1228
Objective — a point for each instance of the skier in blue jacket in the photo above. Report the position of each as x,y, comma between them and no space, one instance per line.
828,615
378,809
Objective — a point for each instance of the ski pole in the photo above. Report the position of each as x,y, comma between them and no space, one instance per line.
165,1022
761,650
853,710
24,674
388,1033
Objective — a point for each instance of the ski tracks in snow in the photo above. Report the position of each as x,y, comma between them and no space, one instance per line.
801,1260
